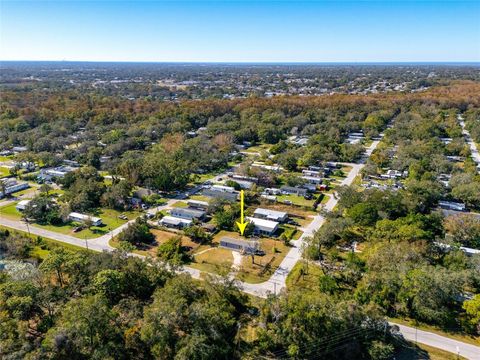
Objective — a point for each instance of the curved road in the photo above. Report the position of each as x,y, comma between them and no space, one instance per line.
456,347
470,142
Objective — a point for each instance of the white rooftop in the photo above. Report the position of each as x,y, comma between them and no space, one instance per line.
268,224
270,213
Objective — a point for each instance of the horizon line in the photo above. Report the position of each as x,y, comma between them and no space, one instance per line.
469,62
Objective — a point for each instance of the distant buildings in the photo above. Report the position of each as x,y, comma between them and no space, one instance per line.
12,186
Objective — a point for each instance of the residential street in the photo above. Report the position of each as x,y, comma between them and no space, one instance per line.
456,347
470,142
277,281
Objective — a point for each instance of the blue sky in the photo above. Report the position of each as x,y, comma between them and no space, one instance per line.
241,31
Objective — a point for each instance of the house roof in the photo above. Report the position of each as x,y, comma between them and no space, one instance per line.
197,202
186,211
293,189
220,194
174,220
263,224
271,214
240,242
84,217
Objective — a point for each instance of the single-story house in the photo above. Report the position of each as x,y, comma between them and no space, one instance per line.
12,186
57,172
312,173
242,177
244,184
174,222
268,167
262,226
272,198
272,191
21,205
220,195
74,216
187,213
18,149
268,214
451,205
312,180
293,190
222,188
244,246
210,228
196,204
142,192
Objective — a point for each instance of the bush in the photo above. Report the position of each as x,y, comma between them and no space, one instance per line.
380,351
137,233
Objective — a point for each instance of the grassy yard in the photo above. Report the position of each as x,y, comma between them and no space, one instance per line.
296,200
301,215
109,218
180,204
304,276
200,198
258,148
263,267
213,260
6,158
4,172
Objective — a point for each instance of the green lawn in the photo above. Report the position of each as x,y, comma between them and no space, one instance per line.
6,158
179,204
296,200
200,198
304,276
109,218
4,172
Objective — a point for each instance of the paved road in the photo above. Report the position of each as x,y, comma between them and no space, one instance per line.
470,142
469,351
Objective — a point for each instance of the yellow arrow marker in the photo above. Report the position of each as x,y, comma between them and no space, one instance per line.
241,225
